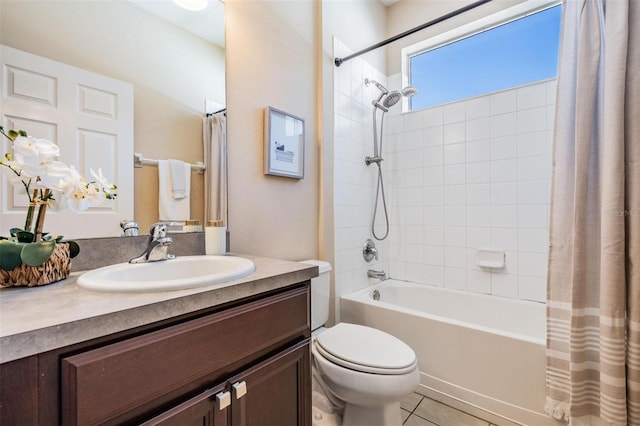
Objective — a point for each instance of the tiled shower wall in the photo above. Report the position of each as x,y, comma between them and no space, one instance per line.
474,174
461,176
354,182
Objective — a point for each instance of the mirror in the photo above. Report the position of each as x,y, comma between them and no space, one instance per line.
172,70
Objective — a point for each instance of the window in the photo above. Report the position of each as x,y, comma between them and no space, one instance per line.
513,53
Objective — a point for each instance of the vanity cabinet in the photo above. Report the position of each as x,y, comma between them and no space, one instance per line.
245,364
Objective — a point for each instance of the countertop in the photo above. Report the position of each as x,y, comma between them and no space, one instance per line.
39,319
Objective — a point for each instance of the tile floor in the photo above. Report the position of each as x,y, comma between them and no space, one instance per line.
419,410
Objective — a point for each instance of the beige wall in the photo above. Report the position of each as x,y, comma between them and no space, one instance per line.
271,61
172,72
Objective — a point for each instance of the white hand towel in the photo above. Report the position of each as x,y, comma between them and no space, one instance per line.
177,179
170,209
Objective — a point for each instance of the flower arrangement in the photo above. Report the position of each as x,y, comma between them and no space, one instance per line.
47,182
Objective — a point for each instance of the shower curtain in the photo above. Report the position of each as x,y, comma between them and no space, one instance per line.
593,306
214,131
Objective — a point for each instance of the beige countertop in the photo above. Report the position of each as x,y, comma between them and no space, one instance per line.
39,319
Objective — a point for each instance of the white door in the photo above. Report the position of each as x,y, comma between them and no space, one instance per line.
89,116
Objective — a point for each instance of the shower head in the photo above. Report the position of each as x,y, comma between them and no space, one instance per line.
392,98
409,91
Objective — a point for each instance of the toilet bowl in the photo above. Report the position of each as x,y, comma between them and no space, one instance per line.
362,370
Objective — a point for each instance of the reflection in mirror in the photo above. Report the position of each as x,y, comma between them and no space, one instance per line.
172,71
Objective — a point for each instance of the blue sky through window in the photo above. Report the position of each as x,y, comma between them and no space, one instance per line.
516,53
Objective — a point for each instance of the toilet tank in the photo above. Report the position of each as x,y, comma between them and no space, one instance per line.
320,296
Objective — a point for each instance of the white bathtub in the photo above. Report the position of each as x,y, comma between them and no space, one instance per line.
485,351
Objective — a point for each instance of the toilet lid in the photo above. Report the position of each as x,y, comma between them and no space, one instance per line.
366,349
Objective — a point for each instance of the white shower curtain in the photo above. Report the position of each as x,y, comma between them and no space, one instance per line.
214,131
593,306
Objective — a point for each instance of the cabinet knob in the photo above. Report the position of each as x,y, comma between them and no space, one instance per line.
239,389
223,400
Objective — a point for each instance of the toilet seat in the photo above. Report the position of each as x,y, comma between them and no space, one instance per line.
365,349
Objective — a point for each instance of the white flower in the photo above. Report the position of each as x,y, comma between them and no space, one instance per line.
33,154
103,184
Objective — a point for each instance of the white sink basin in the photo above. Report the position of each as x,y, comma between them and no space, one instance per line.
174,274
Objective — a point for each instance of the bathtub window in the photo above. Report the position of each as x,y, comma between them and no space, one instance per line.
511,48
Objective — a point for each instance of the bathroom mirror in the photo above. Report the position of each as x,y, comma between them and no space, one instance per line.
173,72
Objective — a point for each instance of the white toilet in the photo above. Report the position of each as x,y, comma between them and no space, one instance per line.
365,369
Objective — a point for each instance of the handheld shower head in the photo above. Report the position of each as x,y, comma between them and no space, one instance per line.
409,91
392,98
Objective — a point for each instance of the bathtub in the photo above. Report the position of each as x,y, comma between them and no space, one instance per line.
474,350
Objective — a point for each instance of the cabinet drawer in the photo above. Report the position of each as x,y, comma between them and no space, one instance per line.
118,382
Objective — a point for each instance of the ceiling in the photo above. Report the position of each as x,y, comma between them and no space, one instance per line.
207,24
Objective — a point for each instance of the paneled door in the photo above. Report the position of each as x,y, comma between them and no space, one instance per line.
89,116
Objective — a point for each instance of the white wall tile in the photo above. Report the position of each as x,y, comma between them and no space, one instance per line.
532,96
503,102
454,112
434,255
504,216
433,136
479,281
504,238
455,216
532,120
505,285
533,192
455,195
454,132
434,195
455,278
504,193
434,275
504,125
434,175
479,216
478,237
433,117
478,107
455,236
532,288
533,216
532,264
433,156
434,235
503,148
479,194
479,150
455,154
504,170
533,240
454,174
413,121
478,172
532,144
534,168
479,128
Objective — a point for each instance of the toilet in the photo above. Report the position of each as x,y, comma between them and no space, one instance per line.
362,370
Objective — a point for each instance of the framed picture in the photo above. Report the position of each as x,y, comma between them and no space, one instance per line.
283,144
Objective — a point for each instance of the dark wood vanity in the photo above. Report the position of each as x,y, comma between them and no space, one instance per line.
243,362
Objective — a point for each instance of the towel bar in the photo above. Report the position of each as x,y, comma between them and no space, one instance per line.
139,161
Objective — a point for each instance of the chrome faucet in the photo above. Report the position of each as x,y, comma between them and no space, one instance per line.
157,246
376,274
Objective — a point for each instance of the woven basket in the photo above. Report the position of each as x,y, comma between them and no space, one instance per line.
55,269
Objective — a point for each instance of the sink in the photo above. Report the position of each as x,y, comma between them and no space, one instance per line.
175,274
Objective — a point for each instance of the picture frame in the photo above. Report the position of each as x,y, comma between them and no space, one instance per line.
284,140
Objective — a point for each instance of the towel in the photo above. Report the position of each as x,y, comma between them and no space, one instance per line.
177,179
169,208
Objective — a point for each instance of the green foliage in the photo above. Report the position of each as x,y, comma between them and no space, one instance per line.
14,252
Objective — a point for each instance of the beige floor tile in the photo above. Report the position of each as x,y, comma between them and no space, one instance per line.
405,414
444,415
410,402
414,420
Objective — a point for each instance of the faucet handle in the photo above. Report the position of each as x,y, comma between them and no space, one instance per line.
369,251
158,230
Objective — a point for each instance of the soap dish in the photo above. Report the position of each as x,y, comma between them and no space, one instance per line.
490,258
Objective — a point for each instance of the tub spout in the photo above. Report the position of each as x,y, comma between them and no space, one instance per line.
376,274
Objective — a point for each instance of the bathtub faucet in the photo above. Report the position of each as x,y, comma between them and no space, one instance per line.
376,274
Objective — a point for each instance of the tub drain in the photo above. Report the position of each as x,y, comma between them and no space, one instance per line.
375,295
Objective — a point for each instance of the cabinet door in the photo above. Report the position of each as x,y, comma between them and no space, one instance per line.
210,408
275,392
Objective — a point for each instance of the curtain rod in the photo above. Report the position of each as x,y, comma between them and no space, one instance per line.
339,61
